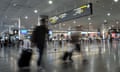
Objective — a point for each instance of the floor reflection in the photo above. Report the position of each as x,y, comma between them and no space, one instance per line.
102,57
24,70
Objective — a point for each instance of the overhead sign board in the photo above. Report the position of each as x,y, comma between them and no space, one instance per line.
81,11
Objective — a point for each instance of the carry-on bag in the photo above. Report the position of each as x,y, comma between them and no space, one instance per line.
25,58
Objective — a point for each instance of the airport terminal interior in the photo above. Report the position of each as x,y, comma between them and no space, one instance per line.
97,22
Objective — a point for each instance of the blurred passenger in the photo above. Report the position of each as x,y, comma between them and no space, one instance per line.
39,38
75,36
6,43
9,42
55,40
61,40
68,54
26,43
0,43
21,43
25,54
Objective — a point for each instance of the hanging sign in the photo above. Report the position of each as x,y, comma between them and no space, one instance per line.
81,11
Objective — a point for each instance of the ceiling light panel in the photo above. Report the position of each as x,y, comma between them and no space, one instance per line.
50,2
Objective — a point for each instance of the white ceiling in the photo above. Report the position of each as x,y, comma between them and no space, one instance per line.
12,9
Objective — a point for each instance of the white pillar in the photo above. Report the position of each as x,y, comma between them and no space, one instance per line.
38,20
19,26
9,30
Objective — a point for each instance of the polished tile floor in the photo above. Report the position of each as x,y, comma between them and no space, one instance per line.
101,57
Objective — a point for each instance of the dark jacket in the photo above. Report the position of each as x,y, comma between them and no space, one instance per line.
39,35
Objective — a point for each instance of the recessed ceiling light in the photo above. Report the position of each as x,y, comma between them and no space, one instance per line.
26,17
90,23
88,5
108,14
112,25
35,11
105,21
14,4
89,18
109,27
116,0
50,1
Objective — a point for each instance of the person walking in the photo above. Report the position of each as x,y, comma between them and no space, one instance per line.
75,38
39,38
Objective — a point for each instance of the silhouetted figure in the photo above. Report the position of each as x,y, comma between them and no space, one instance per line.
75,40
68,54
39,38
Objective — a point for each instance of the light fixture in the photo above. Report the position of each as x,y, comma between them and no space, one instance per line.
88,6
90,23
116,0
105,21
74,22
112,25
26,17
50,1
108,14
14,4
109,27
89,18
35,11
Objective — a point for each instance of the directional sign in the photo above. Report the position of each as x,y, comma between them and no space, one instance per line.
81,11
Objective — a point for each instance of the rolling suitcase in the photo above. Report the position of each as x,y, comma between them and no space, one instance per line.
25,58
65,55
77,47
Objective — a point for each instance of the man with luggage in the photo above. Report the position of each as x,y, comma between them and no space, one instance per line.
39,38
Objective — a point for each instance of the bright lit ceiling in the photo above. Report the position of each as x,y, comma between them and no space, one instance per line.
29,10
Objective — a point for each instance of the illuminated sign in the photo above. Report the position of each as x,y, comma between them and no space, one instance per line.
81,11
23,31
